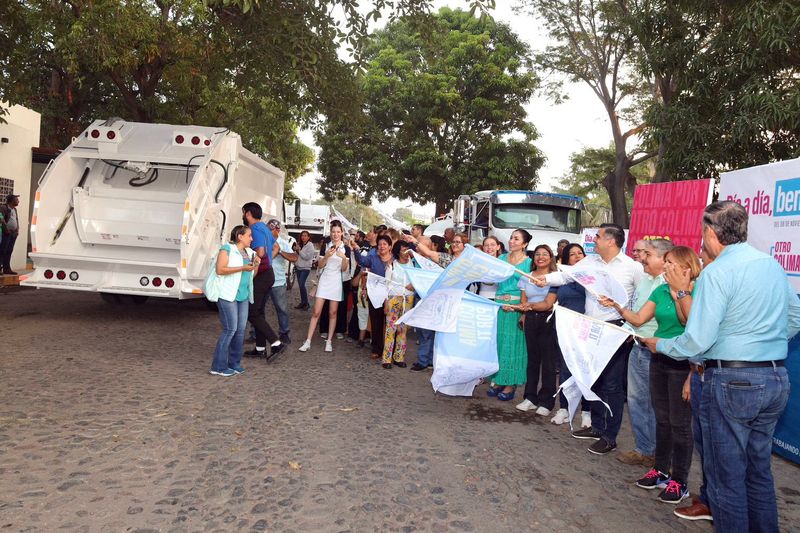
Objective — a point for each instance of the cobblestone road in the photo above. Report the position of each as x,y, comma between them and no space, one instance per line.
109,421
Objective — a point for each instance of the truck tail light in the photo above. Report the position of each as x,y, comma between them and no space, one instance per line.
61,274
48,274
156,282
169,283
95,134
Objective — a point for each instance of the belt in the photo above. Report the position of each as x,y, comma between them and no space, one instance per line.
507,297
719,363
617,322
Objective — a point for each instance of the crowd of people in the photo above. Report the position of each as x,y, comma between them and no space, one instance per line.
702,370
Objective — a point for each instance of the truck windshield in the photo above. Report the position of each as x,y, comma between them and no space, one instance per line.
530,216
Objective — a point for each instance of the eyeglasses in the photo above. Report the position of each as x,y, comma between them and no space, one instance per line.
457,242
546,255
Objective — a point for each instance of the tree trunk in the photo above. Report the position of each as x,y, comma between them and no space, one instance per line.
443,207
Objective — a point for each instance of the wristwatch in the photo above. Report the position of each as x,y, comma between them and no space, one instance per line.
681,294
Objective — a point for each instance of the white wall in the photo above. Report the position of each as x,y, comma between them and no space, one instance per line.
22,131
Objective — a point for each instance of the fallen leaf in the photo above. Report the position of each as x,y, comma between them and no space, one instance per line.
238,433
294,465
348,409
159,415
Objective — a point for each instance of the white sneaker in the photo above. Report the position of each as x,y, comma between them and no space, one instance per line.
543,411
586,419
526,405
339,336
305,346
328,346
323,335
562,417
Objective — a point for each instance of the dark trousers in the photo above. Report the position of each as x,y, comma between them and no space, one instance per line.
352,324
540,338
377,321
302,277
6,249
697,433
610,387
673,416
262,285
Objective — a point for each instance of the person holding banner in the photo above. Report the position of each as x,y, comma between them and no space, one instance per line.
743,314
610,386
512,352
376,263
440,257
333,263
540,335
673,453
400,300
572,296
490,246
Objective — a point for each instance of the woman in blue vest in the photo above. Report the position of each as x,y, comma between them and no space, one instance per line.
235,265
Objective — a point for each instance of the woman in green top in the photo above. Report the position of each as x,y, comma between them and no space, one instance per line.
512,354
673,414
235,265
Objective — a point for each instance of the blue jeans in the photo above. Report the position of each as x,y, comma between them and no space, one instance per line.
696,384
230,346
739,410
281,302
610,387
425,350
302,277
640,405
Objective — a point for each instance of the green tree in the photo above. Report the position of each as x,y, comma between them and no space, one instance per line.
594,47
442,114
589,171
735,68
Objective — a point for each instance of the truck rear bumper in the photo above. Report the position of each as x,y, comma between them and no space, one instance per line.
91,275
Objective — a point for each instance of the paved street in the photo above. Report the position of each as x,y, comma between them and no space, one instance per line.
111,422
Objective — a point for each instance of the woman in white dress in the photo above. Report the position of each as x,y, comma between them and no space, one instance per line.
332,262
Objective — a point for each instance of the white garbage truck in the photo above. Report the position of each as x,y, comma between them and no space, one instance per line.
132,210
549,217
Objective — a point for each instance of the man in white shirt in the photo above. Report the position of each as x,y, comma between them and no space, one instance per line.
610,386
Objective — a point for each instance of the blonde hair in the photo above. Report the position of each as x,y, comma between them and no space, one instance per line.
687,258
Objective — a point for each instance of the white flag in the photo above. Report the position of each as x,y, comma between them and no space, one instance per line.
425,263
438,311
587,345
377,289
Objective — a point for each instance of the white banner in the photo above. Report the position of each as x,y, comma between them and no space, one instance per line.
425,263
378,289
597,282
437,312
771,196
587,346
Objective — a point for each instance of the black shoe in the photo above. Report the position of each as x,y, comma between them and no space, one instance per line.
275,350
416,367
10,273
602,447
400,364
301,306
285,339
586,433
256,353
387,366
360,344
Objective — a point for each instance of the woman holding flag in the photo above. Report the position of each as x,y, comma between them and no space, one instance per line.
667,375
400,300
512,353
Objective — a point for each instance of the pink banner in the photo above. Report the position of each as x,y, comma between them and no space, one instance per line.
672,210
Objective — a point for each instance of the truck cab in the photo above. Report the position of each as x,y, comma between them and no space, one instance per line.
549,217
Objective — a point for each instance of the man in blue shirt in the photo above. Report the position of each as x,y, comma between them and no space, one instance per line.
263,244
743,315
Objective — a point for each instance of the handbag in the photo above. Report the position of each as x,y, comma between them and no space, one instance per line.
212,286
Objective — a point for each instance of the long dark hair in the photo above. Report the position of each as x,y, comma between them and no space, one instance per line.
237,232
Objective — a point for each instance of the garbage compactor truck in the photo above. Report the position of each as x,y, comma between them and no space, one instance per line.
132,210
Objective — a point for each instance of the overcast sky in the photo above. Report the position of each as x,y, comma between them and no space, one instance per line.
563,129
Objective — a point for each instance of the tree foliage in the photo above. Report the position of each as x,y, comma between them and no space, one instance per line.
735,71
442,114
594,47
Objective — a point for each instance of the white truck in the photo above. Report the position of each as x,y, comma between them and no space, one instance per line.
315,219
549,217
132,210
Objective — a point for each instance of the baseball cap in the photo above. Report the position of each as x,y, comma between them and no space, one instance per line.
274,223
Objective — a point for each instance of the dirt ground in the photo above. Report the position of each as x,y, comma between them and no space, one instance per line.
109,421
